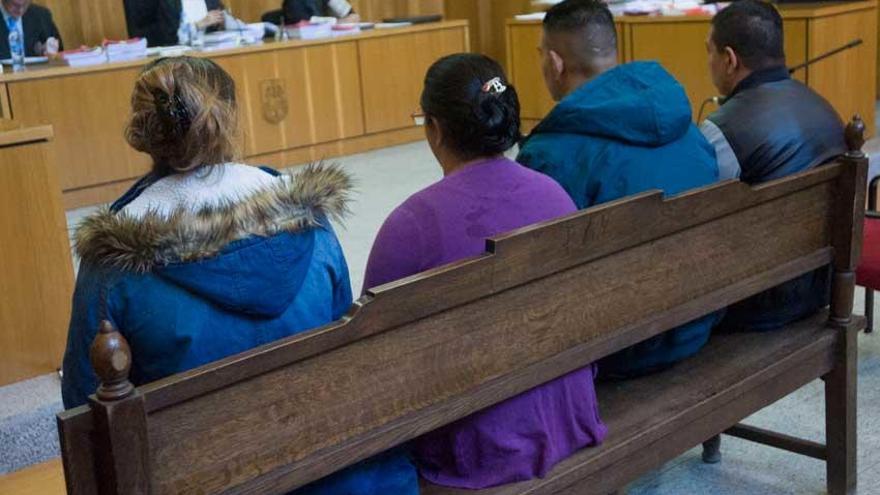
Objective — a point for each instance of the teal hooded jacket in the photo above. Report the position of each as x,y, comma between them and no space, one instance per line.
625,132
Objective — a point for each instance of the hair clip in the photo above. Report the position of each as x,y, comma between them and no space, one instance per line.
494,86
174,109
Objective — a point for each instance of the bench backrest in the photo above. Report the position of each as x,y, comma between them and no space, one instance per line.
422,352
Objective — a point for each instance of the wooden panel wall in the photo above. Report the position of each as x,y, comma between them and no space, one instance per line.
847,79
392,95
89,113
321,94
37,281
66,15
487,19
88,22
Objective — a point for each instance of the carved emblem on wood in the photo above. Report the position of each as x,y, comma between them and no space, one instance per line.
274,97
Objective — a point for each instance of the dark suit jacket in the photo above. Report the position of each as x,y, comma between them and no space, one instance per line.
38,27
157,20
303,10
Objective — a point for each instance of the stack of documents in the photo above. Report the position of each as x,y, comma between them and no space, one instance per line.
121,51
310,31
84,57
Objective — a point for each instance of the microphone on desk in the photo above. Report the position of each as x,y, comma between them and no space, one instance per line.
719,100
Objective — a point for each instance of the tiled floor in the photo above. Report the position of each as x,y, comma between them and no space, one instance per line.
386,177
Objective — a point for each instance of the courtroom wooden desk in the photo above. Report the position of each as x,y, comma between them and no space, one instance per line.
36,283
847,80
299,101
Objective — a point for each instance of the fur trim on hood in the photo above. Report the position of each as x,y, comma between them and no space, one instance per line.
143,244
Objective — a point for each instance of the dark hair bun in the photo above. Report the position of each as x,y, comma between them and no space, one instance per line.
477,121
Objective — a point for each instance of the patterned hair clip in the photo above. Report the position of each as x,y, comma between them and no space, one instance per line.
494,86
174,109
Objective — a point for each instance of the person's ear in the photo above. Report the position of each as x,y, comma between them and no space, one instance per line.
557,63
433,131
733,63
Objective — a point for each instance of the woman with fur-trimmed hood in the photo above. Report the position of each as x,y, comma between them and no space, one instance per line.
205,258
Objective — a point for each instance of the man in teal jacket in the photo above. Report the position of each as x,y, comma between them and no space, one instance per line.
617,130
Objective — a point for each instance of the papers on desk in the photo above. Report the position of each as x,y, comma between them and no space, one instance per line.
310,31
537,16
345,29
168,51
84,57
125,50
27,61
111,51
392,25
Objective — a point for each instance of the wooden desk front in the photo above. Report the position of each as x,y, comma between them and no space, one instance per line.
37,281
299,101
847,79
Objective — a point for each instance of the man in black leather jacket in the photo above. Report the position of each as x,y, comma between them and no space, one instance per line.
768,126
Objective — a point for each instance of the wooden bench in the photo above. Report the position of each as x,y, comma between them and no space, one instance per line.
542,301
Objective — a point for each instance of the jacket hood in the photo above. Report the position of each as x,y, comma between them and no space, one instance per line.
249,256
637,103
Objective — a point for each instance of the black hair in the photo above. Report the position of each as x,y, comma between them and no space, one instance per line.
753,29
590,20
478,121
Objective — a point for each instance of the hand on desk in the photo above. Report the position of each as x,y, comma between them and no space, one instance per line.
214,18
351,18
49,48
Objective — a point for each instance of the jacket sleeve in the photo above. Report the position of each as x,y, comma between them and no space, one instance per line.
153,20
342,297
728,164
299,10
51,30
91,304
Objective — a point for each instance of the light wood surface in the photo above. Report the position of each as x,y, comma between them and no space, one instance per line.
313,99
37,281
391,96
487,19
847,79
42,479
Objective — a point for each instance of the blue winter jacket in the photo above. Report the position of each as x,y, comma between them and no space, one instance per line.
627,131
192,288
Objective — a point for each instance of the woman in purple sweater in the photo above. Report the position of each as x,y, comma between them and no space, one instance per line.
471,117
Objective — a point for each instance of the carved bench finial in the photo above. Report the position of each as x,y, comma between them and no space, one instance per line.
855,136
111,360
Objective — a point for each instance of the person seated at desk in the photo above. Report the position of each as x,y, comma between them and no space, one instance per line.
769,126
164,22
35,25
617,130
302,10
472,117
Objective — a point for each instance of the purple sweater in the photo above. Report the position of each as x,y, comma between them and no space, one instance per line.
524,436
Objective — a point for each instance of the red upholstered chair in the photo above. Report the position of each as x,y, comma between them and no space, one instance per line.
868,273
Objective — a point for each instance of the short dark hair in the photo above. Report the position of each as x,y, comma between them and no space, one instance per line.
476,122
753,29
590,19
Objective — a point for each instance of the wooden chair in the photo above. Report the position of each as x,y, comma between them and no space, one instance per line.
542,301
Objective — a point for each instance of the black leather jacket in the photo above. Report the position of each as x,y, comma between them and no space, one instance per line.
772,126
